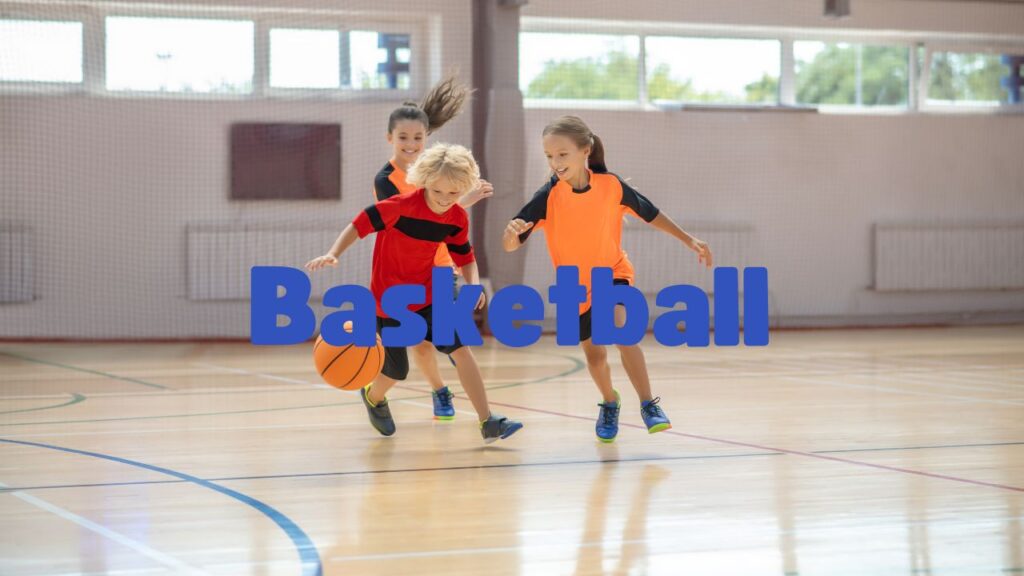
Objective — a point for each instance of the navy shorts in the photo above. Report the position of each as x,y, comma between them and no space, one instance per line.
396,358
585,320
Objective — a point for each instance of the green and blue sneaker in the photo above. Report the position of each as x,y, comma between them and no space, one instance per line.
654,417
443,407
608,420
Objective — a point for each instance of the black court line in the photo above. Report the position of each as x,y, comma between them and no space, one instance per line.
85,370
519,465
403,470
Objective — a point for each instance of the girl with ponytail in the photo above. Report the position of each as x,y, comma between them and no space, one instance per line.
581,209
409,125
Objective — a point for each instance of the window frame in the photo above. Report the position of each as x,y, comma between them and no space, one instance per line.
73,16
964,48
917,73
422,61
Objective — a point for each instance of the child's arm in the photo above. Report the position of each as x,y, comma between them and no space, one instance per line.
531,215
484,190
668,226
472,275
641,207
347,238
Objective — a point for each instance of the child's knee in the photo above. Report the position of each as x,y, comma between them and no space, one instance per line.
596,355
423,349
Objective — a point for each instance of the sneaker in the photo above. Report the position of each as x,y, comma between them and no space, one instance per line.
443,407
380,414
608,420
654,417
498,426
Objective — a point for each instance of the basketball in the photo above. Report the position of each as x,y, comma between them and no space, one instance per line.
348,367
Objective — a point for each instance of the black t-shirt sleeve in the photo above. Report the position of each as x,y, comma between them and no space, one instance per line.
384,188
637,202
535,211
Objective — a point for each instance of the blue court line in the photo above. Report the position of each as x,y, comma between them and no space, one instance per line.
86,370
308,554
75,399
400,470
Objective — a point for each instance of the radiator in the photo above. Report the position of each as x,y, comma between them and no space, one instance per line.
952,256
660,260
17,277
219,257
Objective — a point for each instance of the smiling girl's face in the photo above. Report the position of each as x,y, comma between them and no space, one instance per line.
567,160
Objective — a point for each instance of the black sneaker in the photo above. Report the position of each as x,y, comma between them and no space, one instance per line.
380,415
498,426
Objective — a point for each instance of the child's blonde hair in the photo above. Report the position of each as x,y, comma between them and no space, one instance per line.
449,161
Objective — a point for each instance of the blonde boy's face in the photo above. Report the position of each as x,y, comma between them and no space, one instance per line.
407,140
441,194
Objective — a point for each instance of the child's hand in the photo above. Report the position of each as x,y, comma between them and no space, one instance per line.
482,191
703,252
320,262
516,227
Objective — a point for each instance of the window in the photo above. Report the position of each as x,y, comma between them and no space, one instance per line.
851,74
579,66
715,70
305,58
971,79
378,61
179,55
40,51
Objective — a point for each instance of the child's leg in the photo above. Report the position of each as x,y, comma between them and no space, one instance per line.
597,364
379,389
472,381
633,361
425,357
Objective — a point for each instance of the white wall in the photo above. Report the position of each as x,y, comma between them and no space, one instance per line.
811,184
109,184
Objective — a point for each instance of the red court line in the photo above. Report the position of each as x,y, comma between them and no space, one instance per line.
767,448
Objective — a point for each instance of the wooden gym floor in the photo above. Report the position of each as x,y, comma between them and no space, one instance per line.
833,452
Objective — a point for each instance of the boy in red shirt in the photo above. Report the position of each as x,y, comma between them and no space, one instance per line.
409,230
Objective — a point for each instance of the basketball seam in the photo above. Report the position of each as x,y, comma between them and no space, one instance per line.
358,370
317,345
326,368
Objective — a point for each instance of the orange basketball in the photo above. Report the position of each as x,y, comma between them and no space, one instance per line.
348,367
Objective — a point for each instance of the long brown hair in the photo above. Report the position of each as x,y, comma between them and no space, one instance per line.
441,104
574,128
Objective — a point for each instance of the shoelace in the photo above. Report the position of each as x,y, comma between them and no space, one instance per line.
445,400
608,414
652,408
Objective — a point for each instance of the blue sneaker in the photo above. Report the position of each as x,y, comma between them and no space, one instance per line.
443,407
608,420
654,417
498,426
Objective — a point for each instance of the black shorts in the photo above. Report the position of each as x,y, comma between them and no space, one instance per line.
585,320
396,358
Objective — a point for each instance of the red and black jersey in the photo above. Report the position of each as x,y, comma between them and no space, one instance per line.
408,235
583,228
390,181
